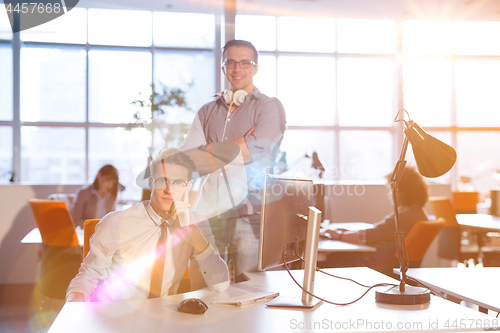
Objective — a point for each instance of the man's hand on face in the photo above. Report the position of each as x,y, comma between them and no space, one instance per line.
181,213
75,297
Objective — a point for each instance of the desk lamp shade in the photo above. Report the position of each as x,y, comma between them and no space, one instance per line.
434,158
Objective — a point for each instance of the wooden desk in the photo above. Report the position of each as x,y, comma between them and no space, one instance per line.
160,315
34,237
475,285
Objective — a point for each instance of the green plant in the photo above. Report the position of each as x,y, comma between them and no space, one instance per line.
153,114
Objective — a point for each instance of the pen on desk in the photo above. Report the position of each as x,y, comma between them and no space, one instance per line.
255,300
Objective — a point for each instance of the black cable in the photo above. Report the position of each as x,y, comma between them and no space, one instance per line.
335,276
435,292
330,302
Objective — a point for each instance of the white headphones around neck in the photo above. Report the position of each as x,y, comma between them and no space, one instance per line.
237,98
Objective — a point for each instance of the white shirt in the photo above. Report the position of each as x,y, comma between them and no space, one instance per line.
121,257
101,208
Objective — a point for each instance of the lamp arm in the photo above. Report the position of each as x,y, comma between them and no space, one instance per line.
399,235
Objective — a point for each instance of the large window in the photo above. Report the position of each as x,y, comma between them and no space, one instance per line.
451,83
6,149
53,155
342,81
116,78
308,98
120,27
68,28
5,29
53,84
6,98
6,82
78,76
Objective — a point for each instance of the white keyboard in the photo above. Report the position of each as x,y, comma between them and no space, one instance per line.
249,298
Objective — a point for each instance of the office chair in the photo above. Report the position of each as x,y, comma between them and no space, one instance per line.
61,254
420,238
88,231
185,284
449,246
465,202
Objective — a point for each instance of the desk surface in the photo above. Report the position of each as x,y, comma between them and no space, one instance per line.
481,221
475,285
160,315
326,245
34,237
351,226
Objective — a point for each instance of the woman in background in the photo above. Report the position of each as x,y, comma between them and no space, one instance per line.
412,195
97,199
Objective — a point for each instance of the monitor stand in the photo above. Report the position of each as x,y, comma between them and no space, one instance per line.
287,301
310,257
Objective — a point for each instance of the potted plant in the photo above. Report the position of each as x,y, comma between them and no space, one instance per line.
160,114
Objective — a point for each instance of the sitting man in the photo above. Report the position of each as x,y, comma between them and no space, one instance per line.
144,251
412,195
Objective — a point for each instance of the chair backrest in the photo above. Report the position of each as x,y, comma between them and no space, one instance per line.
54,222
465,202
420,238
88,231
443,208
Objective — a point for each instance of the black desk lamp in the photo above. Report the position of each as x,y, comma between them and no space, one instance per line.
434,158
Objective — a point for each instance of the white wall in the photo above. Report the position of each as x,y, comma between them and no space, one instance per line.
366,202
18,262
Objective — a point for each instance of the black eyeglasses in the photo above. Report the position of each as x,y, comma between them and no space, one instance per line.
243,63
176,185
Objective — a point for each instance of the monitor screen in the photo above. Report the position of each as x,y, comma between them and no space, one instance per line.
285,204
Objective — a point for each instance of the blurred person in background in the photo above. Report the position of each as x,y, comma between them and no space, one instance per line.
97,199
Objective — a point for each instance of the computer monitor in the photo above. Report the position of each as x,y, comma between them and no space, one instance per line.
289,228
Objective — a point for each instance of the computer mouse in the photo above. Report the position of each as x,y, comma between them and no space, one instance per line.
192,305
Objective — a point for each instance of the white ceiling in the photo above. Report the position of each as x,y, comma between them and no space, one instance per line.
487,10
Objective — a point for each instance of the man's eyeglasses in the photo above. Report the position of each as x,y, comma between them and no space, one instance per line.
176,185
243,63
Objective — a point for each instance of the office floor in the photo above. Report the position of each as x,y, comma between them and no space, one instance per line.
24,310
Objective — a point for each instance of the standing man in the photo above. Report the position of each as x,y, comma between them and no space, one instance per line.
256,123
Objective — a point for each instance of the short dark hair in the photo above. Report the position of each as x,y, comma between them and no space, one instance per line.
173,156
244,43
413,189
